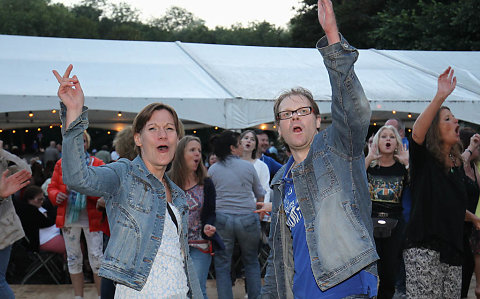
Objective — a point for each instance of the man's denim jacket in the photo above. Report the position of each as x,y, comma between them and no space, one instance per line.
331,189
136,207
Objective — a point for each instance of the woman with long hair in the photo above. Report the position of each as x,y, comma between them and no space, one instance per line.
235,180
434,235
189,173
249,143
147,254
387,174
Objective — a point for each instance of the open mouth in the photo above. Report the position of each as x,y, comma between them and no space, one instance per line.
388,144
163,148
297,129
457,130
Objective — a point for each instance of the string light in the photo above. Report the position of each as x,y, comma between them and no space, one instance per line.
26,131
14,131
1,131
216,128
374,124
54,111
394,112
274,127
51,127
263,126
39,129
119,113
108,133
409,115
194,132
30,114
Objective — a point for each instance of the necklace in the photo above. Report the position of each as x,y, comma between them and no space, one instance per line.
453,162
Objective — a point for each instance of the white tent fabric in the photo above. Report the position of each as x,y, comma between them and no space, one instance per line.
216,85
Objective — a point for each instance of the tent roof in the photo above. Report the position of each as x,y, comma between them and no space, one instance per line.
215,85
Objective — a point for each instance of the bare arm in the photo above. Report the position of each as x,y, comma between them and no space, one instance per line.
473,146
446,84
470,217
326,17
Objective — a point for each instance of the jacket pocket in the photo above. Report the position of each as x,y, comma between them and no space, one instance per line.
352,213
124,244
140,196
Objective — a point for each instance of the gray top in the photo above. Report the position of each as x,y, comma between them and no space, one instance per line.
234,181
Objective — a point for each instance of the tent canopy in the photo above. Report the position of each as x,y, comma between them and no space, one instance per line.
213,85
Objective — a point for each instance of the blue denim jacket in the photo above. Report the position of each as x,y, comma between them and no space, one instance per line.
332,190
136,207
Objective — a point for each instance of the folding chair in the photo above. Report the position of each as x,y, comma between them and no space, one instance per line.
41,260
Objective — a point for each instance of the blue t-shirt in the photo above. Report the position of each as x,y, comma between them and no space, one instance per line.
304,284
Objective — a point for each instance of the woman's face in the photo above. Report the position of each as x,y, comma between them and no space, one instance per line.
212,159
448,127
192,155
37,201
248,142
158,140
387,143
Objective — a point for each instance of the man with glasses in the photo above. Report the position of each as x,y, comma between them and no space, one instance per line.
321,233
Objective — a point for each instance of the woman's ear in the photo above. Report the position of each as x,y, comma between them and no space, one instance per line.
137,139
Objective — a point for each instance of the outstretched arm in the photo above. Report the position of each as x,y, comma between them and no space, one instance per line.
71,94
326,17
446,84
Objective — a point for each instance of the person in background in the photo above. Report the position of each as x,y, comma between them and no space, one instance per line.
77,212
211,159
103,154
10,225
124,144
38,223
51,153
470,142
235,180
263,145
434,236
387,173
321,234
188,173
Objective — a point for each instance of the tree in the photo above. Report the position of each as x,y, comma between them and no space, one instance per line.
177,19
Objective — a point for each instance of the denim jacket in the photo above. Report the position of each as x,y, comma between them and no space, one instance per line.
331,188
136,207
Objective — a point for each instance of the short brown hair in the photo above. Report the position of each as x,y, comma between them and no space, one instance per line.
297,91
124,143
143,116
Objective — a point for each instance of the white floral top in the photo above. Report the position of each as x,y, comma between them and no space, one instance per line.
167,278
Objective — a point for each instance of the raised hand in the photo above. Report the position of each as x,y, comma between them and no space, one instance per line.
13,183
71,94
326,17
372,154
446,83
402,154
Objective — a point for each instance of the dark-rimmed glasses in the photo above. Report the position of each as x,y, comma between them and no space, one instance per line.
302,111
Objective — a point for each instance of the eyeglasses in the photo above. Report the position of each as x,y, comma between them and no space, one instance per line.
289,114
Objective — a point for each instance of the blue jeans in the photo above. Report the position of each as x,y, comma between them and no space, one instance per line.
201,262
5,290
246,229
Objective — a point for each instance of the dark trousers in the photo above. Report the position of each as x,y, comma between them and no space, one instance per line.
389,249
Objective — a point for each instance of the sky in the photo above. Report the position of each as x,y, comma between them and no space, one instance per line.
216,12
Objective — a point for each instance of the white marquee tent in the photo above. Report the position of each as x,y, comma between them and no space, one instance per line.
213,85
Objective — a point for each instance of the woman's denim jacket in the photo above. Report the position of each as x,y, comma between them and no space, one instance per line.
136,206
331,188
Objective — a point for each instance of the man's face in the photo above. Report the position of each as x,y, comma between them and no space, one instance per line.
298,131
263,143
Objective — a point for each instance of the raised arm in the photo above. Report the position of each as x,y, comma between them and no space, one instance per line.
326,17
71,94
446,84
13,183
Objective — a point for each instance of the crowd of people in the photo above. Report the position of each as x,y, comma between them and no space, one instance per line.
348,215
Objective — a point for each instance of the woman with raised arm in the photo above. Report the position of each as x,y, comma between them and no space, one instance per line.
387,174
434,246
147,254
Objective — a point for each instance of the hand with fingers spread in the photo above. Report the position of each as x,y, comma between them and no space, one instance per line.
13,183
326,17
446,83
372,155
71,94
402,155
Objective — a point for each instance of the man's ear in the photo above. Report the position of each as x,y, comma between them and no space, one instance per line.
318,122
136,137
